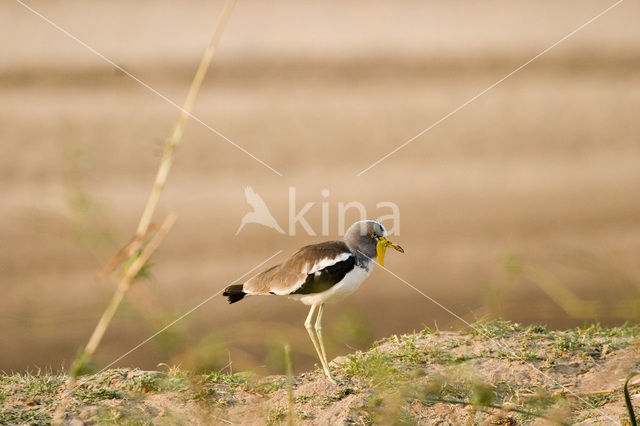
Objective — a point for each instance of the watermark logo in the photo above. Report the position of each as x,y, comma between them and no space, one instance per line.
260,214
297,217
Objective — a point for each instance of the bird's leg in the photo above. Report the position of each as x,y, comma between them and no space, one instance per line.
307,325
309,328
325,363
318,328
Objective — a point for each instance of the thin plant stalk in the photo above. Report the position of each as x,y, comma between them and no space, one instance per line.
287,361
178,128
627,398
123,254
124,284
161,177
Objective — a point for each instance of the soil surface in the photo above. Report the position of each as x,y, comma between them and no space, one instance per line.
499,374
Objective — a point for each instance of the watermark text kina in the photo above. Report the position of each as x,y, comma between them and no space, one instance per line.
297,217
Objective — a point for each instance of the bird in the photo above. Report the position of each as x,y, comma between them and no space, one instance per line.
321,273
260,213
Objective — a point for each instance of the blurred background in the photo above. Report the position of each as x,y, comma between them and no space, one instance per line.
524,205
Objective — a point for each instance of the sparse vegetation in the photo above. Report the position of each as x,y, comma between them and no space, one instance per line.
418,378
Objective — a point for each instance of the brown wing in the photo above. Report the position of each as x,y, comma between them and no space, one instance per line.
289,276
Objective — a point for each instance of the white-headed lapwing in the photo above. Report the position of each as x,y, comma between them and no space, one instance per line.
321,273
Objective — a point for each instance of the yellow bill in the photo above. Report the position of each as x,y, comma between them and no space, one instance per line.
381,248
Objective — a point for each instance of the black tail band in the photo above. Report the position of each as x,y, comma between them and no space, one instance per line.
234,293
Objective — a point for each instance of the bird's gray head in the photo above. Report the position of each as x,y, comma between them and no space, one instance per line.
369,238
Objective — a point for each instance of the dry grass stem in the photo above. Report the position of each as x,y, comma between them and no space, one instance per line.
125,283
289,368
144,224
178,128
124,253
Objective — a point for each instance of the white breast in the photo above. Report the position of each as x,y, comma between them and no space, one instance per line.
345,287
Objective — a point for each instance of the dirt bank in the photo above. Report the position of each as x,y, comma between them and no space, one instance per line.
499,374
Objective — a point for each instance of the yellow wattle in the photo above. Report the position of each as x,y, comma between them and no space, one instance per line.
381,248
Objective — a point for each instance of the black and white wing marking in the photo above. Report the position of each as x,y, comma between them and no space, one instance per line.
327,277
315,266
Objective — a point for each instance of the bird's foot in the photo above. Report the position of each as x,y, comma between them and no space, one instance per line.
330,378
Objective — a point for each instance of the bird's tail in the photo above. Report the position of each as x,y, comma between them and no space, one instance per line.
234,293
